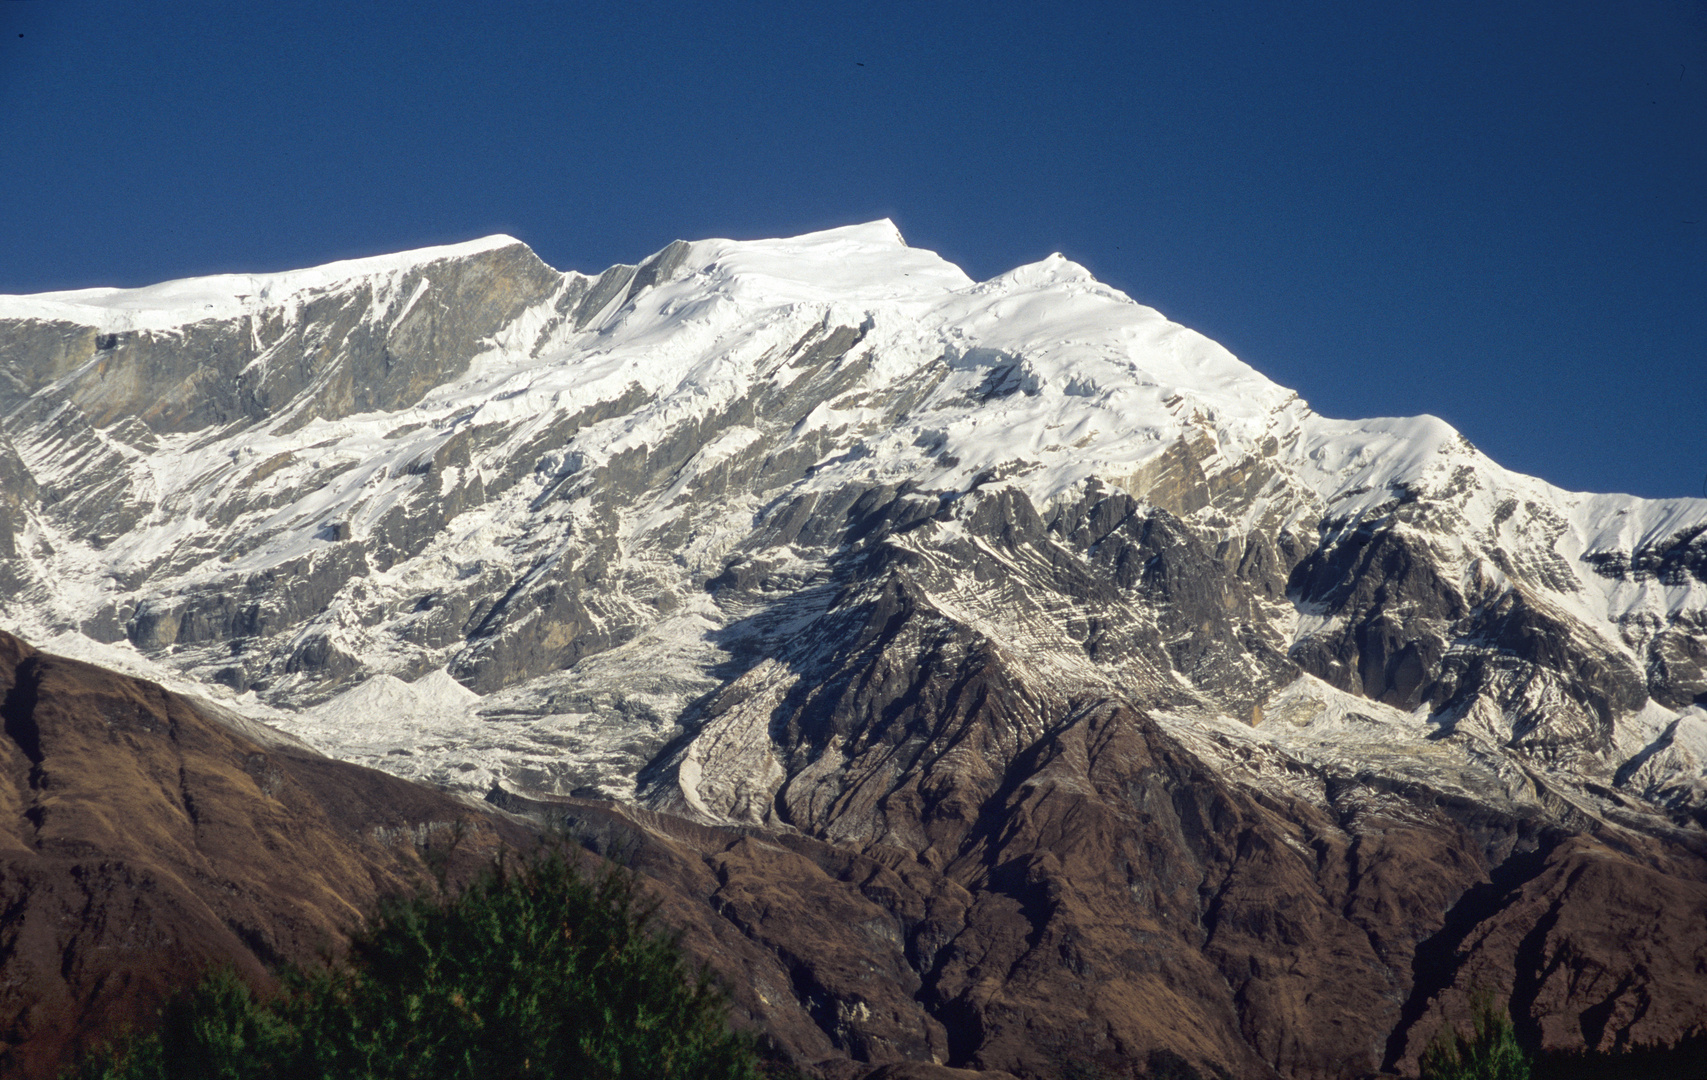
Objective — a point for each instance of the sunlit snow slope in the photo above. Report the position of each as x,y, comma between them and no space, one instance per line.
650,517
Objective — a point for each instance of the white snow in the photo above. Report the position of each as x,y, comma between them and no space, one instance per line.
1043,374
171,304
397,701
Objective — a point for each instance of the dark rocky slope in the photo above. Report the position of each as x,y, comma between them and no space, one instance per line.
1104,902
1040,885
1112,895
142,839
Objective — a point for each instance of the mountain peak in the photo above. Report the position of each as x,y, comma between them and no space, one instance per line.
882,232
863,263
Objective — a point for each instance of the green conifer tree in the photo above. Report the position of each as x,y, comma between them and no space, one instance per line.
1491,1053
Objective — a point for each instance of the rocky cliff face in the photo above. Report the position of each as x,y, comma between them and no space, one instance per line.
1262,734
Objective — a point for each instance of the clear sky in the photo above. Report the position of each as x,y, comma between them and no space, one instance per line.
1493,212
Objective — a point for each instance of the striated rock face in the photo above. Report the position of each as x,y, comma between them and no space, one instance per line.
379,343
17,497
1238,733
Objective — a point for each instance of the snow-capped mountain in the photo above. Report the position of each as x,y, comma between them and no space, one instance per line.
821,536
590,498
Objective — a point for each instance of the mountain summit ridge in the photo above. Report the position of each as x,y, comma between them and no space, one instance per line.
819,536
183,301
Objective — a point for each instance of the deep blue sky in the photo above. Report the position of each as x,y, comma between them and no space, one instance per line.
1494,212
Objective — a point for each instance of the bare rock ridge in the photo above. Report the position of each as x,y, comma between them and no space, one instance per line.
1186,721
